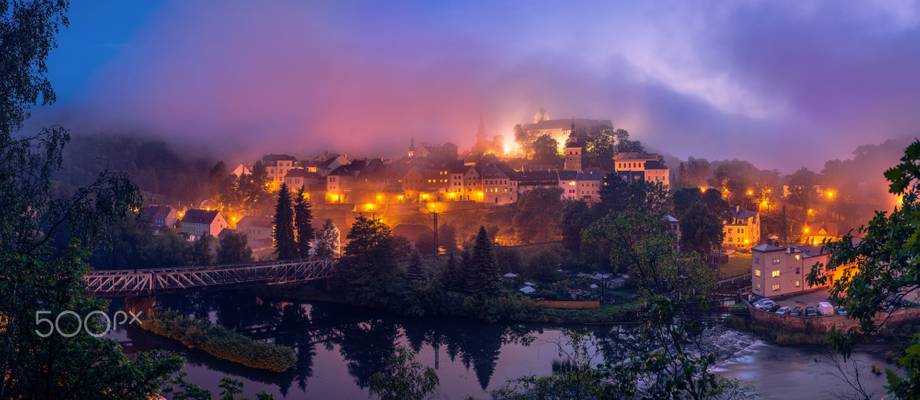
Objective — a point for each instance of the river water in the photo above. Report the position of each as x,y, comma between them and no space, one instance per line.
340,347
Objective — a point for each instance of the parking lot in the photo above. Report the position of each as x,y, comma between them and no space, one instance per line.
804,300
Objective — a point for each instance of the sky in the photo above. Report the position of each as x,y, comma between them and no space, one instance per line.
783,84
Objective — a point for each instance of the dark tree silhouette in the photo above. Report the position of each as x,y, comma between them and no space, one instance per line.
303,221
285,245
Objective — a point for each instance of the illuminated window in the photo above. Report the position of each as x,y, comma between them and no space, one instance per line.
776,260
774,273
757,286
757,272
775,287
798,283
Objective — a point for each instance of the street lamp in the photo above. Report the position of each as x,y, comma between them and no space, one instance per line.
434,208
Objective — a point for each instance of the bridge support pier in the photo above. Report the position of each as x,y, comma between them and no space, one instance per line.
145,306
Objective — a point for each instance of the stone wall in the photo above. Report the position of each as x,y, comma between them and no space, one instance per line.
822,324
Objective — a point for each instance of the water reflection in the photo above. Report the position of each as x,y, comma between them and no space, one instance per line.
364,339
340,347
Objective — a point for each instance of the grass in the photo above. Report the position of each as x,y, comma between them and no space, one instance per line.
606,314
737,264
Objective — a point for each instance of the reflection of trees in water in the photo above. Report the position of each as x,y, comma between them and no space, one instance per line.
477,345
364,337
366,346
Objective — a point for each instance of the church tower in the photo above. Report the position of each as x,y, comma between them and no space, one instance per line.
573,149
412,147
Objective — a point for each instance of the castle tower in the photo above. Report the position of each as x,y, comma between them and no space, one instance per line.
412,147
573,149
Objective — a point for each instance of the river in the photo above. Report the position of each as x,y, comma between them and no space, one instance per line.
340,347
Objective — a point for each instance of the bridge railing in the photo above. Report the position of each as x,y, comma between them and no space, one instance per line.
148,281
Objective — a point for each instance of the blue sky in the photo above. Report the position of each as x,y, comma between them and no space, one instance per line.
781,83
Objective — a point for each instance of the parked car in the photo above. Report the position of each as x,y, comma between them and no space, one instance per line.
796,311
825,309
765,304
810,311
783,310
842,312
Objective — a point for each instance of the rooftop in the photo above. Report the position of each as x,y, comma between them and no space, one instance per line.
199,216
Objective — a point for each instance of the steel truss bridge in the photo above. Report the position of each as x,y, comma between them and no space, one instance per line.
141,282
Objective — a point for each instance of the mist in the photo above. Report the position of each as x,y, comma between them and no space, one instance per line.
779,84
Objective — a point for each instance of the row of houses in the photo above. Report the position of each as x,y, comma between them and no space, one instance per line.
490,181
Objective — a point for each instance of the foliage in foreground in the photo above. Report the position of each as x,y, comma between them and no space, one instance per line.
403,378
221,342
886,270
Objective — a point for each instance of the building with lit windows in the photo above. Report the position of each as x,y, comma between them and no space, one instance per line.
741,230
649,167
581,186
277,166
782,271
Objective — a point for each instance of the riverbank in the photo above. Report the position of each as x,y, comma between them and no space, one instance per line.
220,342
513,308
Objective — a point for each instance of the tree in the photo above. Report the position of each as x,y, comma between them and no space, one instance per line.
619,195
618,237
482,270
303,221
538,214
599,150
369,260
576,216
415,273
201,251
700,230
285,245
45,238
453,278
403,378
701,216
329,243
624,145
545,148
233,249
884,269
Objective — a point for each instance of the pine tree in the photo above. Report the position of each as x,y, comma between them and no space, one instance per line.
415,273
453,275
303,221
483,277
285,246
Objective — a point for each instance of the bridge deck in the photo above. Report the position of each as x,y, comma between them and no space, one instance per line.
128,282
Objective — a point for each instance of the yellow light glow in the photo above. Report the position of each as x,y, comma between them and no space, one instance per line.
311,169
379,197
400,197
830,194
750,192
764,204
703,189
333,197
571,183
811,211
370,207
424,196
806,230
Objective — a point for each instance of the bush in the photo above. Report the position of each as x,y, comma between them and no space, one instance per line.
220,342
